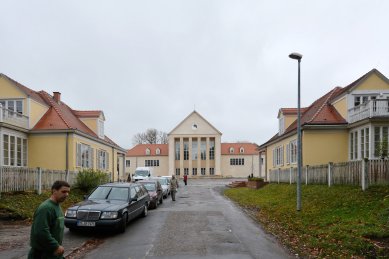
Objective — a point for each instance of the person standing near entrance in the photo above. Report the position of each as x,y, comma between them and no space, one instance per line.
48,225
173,187
185,179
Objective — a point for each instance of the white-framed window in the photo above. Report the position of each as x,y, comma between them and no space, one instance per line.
147,151
212,149
158,151
202,171
381,138
186,149
278,156
232,150
84,156
102,159
177,149
151,163
13,105
128,163
236,161
101,128
14,150
281,125
291,152
241,150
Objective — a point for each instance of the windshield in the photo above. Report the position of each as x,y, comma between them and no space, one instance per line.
109,193
142,173
149,186
163,181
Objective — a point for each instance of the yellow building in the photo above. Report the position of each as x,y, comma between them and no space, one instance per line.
346,124
195,149
39,130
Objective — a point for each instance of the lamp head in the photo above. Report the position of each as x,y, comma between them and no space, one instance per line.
296,55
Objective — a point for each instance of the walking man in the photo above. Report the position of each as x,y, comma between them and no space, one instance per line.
48,225
173,187
185,179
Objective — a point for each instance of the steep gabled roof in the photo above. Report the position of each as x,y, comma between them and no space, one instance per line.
140,150
198,114
290,111
31,93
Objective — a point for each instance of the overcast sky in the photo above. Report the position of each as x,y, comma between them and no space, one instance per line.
149,64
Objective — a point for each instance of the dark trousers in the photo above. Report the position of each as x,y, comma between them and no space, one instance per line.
173,193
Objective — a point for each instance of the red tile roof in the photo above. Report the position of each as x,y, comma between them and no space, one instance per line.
249,148
140,150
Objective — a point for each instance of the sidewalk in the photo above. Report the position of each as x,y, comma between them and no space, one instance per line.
14,241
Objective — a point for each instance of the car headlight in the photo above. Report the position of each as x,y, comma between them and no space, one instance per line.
71,213
109,215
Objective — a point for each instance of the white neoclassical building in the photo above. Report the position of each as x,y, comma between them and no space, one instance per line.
195,149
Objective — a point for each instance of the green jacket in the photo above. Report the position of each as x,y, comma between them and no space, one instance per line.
173,184
46,230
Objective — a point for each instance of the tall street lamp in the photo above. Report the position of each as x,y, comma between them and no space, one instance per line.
298,56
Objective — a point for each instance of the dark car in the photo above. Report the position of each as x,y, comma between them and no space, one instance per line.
109,206
155,191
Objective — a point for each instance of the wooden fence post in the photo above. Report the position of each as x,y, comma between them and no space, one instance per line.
290,175
363,174
39,180
329,174
306,175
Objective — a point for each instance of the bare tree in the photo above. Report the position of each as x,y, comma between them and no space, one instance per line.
151,136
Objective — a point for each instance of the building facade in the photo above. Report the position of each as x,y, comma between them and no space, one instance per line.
346,124
39,130
195,149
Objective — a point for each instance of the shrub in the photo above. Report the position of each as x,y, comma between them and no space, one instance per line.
88,179
256,179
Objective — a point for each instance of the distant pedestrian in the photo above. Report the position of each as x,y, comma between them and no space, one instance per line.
48,225
173,187
185,179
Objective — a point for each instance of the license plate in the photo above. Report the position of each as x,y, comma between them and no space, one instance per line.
86,223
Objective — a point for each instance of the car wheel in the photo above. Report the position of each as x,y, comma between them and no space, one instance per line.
145,211
123,224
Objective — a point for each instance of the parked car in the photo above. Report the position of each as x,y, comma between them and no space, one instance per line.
155,190
165,186
109,206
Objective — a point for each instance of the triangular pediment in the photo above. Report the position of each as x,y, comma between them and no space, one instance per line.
195,124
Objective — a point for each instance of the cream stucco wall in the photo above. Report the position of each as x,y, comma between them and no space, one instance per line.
373,82
251,165
341,106
37,110
288,120
91,123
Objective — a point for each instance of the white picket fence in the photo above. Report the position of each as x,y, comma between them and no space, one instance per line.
29,179
362,173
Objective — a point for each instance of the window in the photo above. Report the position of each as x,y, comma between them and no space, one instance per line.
212,149
367,143
13,105
281,123
147,151
203,149
101,128
14,150
202,171
84,156
211,171
381,141
291,152
354,145
158,151
231,150
194,149
128,163
241,150
278,156
151,162
186,171
177,148
362,143
177,171
377,139
102,159
186,149
236,161
194,171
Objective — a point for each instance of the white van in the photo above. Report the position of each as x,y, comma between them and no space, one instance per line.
142,173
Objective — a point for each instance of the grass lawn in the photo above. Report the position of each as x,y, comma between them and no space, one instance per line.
337,221
23,204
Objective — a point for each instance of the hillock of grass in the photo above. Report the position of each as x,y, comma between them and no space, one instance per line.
335,222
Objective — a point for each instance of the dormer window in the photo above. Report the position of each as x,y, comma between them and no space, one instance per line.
241,150
13,105
147,151
231,150
101,128
281,125
158,151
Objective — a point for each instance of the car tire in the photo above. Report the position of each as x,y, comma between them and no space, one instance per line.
145,211
123,224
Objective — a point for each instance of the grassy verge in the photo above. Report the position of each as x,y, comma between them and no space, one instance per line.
21,206
340,221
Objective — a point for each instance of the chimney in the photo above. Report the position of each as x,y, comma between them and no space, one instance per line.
57,97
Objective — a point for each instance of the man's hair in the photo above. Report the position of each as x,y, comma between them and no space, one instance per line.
58,184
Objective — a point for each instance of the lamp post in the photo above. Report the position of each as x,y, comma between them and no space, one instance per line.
298,57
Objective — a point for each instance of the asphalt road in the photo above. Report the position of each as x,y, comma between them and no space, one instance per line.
201,223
